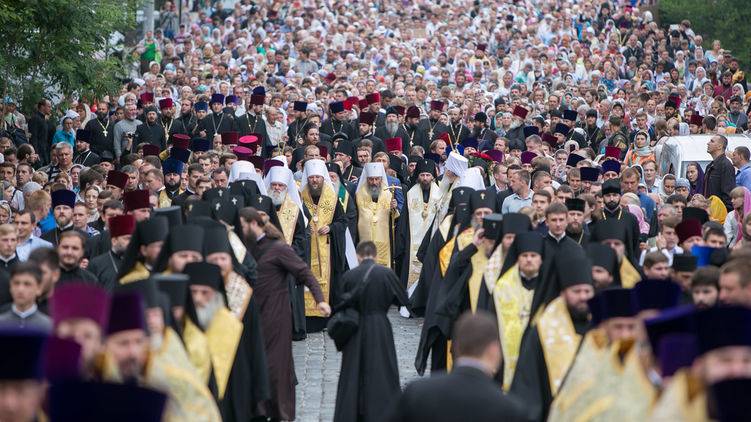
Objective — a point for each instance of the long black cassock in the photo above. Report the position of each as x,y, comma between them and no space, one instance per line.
433,336
248,382
249,123
369,375
568,266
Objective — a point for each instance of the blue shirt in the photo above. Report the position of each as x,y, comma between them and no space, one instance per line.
23,250
61,136
515,202
743,177
398,194
648,204
48,223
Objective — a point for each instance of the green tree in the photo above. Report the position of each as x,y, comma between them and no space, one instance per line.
60,47
723,20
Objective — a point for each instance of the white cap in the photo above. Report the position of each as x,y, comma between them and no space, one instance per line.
283,175
372,170
315,167
472,178
244,170
456,163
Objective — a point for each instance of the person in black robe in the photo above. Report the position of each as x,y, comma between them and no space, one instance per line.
71,249
611,196
63,202
337,123
468,393
316,173
432,127
456,129
247,386
344,152
84,155
168,121
294,130
432,338
188,118
151,130
576,228
102,132
252,122
217,122
143,249
391,128
365,130
454,295
554,241
107,265
481,131
369,375
345,190
276,260
531,379
414,136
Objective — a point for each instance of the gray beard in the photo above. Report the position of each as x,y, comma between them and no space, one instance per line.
514,125
277,198
476,225
337,186
206,314
374,192
391,128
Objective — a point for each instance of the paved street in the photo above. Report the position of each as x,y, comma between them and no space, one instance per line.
317,366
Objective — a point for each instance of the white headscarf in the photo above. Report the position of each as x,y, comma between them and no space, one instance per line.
279,174
372,170
315,167
244,170
457,163
472,178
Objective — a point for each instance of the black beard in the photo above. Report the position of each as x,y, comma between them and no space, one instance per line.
171,187
413,126
101,116
576,314
611,205
476,132
425,185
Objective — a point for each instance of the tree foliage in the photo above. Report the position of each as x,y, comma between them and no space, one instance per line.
724,20
54,47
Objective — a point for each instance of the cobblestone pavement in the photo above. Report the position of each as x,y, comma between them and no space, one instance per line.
317,366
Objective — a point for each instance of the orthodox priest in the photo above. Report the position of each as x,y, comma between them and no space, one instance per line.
432,127
282,189
377,212
170,124
512,292
327,225
252,123
143,249
151,130
226,349
422,201
106,266
552,339
213,125
276,262
455,167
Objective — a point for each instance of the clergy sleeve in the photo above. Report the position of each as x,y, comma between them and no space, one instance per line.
299,270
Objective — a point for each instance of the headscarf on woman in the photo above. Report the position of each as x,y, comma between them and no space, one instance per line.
637,212
717,210
746,209
699,186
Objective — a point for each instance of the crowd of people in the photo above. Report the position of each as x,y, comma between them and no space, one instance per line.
277,169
